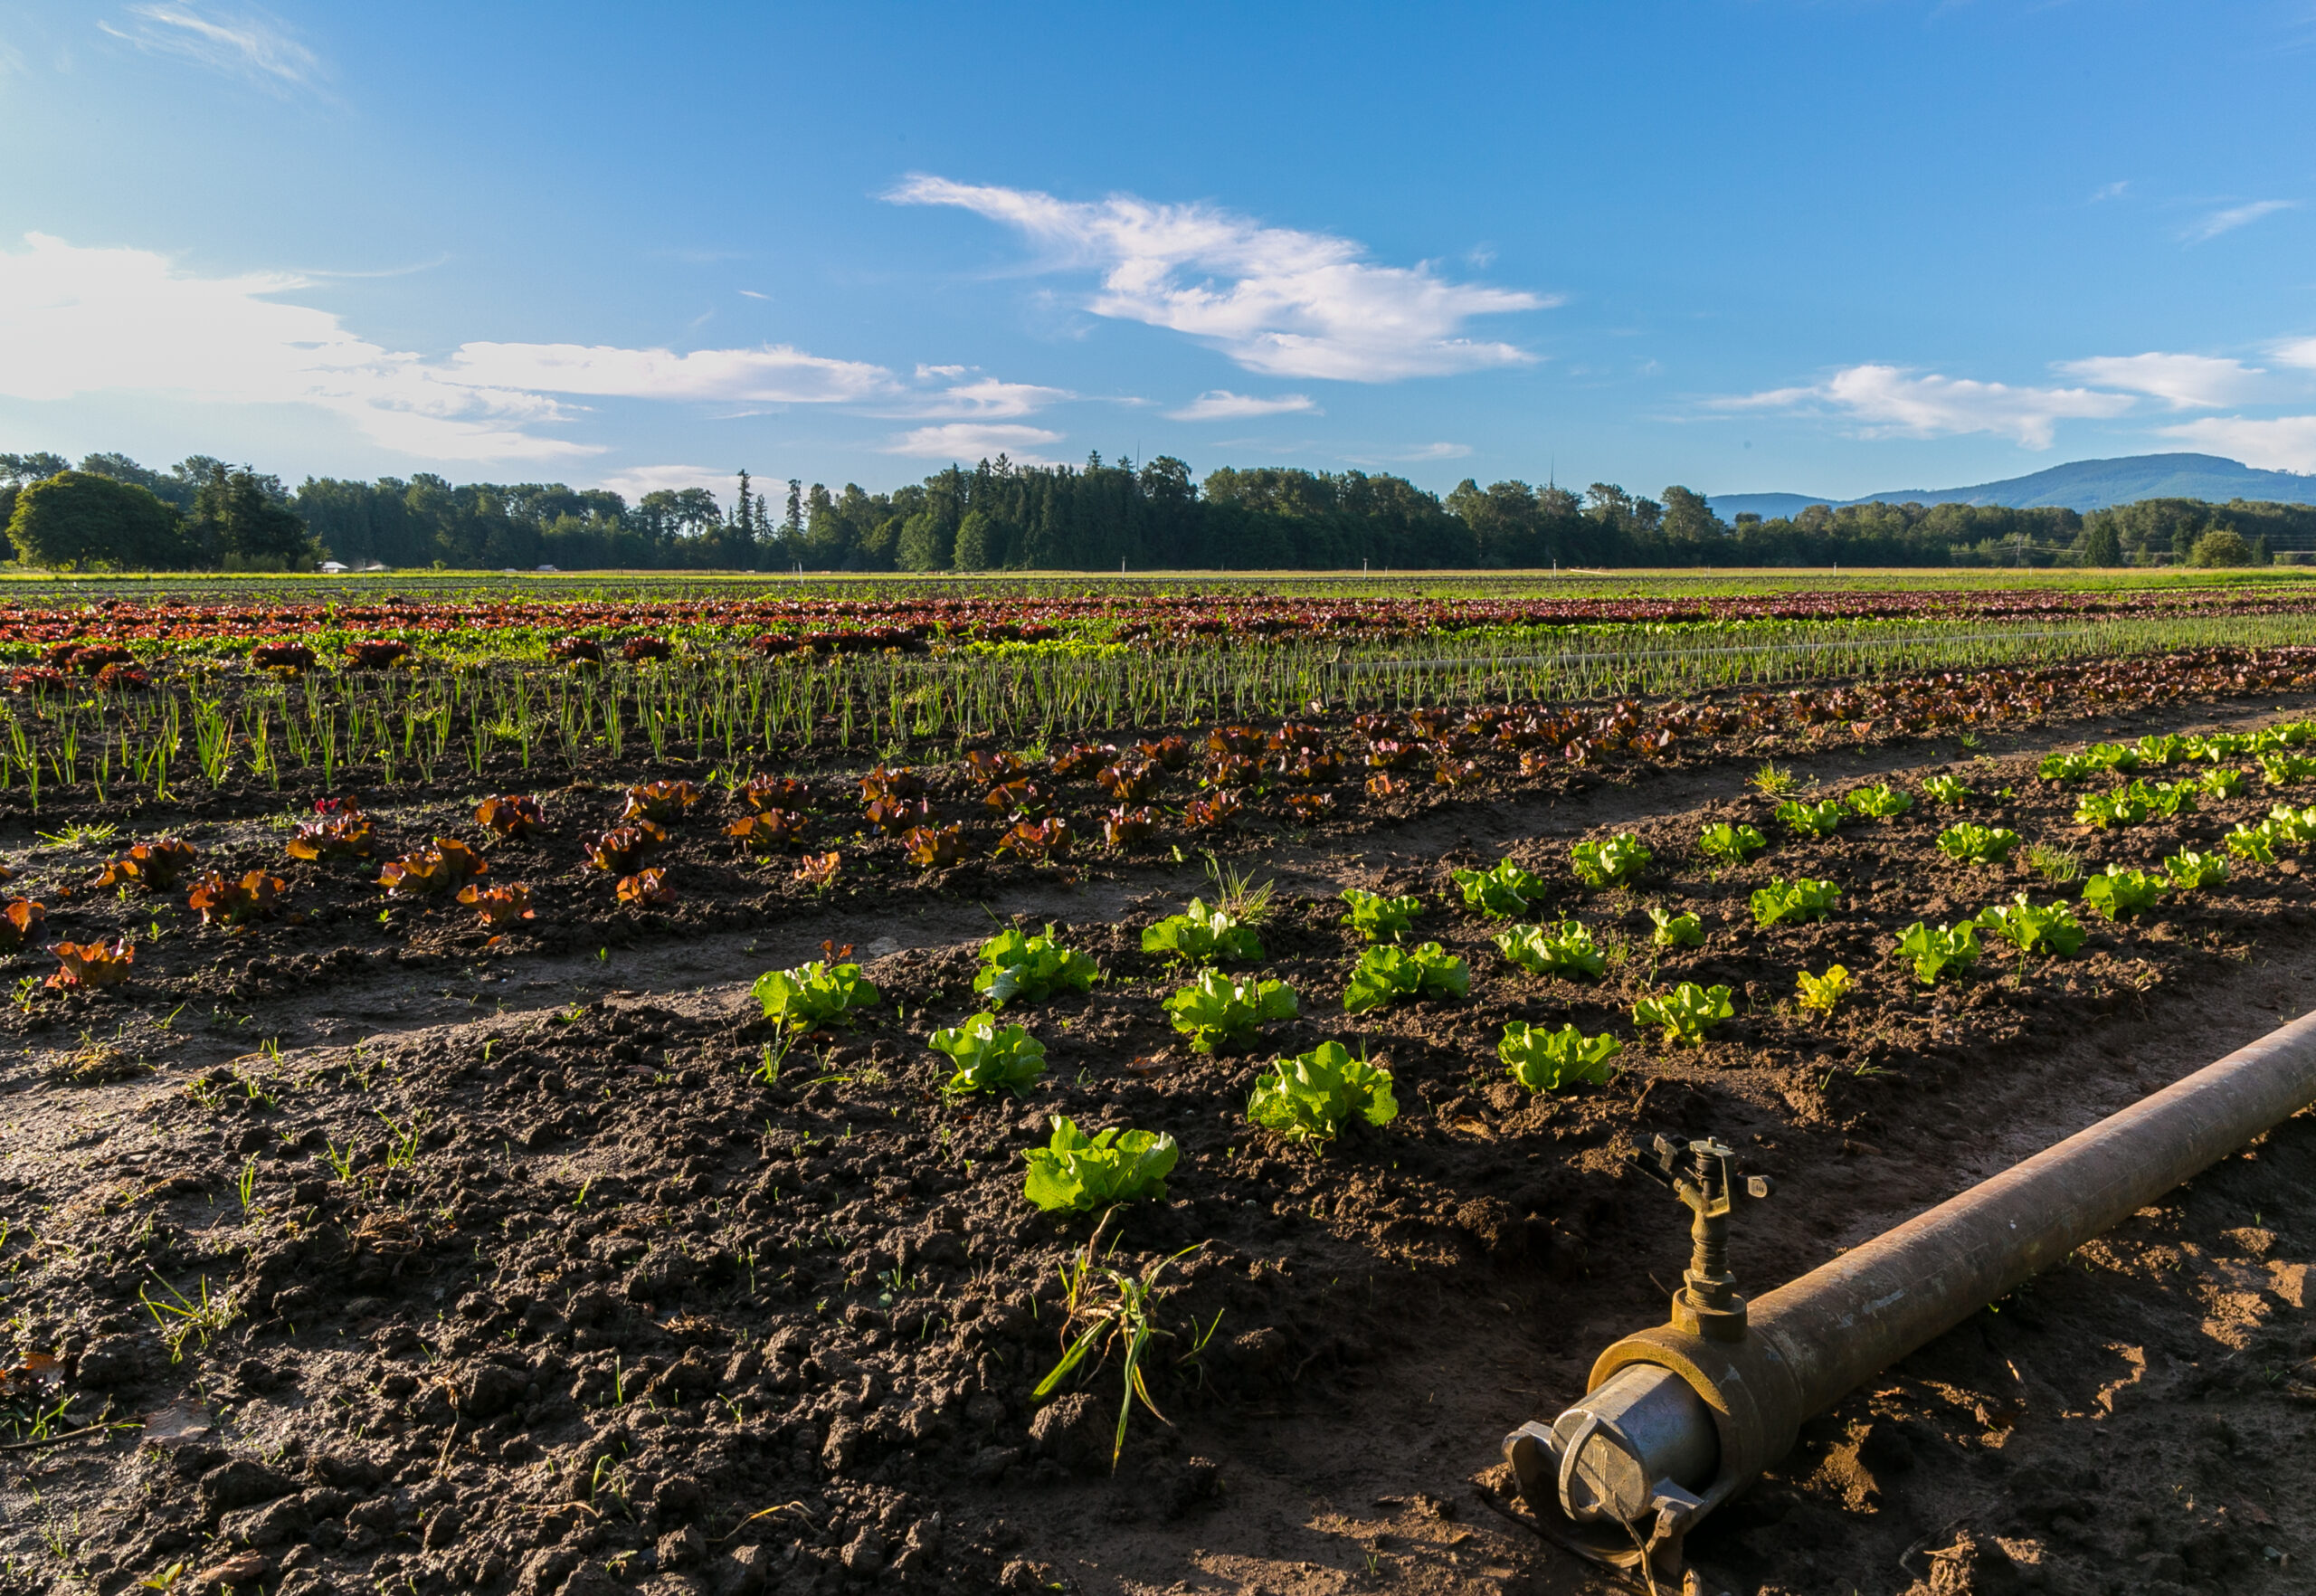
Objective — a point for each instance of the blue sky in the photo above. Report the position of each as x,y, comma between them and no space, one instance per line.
1738,245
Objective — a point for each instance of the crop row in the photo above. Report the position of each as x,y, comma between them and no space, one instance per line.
384,729
846,624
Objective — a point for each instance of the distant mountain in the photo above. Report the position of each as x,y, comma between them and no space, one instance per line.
2081,484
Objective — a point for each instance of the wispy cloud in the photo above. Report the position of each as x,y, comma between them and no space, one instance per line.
2107,191
1274,299
2275,444
1892,401
1222,404
636,481
247,44
2184,382
77,320
1418,455
773,374
2298,351
985,399
964,440
2235,216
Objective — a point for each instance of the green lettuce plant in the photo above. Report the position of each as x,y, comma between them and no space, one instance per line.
1730,844
1610,863
1553,1060
1309,1098
1500,893
1934,953
1216,1008
1686,1013
1378,918
814,995
1076,1174
1804,900
1565,949
989,1056
1386,973
1015,966
1202,936
2050,929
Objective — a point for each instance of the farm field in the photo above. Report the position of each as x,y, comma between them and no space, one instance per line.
509,1113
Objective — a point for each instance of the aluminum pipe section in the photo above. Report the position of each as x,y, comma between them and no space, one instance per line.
1810,1341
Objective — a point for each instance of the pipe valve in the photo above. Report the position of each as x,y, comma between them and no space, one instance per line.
1708,1302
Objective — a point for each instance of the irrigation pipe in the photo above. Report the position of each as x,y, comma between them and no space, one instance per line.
1680,1418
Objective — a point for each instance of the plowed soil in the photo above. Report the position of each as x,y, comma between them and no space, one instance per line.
403,1262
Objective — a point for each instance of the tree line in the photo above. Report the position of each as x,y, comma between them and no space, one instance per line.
111,513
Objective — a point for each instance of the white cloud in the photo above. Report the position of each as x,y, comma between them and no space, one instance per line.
964,440
925,373
1436,452
2300,352
2278,443
247,44
772,375
86,320
1892,401
1222,404
636,481
1276,300
2184,382
2107,191
2235,216
985,400
76,320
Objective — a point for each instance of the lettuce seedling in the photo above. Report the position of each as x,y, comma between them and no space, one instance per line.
1611,863
1074,1174
2189,870
20,922
2112,756
2067,767
2295,826
2221,746
1309,1098
1676,930
233,902
813,994
1946,790
1386,973
1821,819
155,866
2052,929
1805,899
1949,947
2256,843
1880,801
1553,1060
437,870
2116,893
2169,799
2224,784
990,1058
2171,749
1733,844
1202,936
1502,893
1378,918
1822,994
2122,807
1564,949
1686,1013
2286,770
1974,844
1215,1009
1030,968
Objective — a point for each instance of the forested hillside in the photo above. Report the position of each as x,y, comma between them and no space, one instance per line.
112,513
